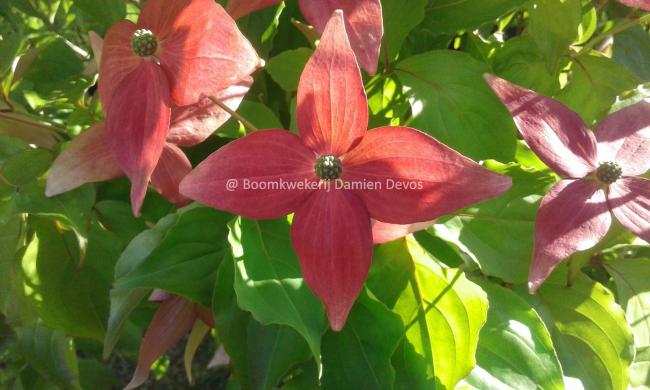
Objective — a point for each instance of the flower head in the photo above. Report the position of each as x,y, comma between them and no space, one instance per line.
364,22
335,176
178,52
89,157
600,173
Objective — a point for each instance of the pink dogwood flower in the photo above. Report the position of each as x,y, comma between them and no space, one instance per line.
364,22
337,176
179,52
599,173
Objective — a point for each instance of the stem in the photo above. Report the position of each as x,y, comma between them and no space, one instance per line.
247,124
614,30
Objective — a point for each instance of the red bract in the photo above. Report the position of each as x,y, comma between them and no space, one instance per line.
643,4
364,22
89,157
171,323
179,52
598,173
271,173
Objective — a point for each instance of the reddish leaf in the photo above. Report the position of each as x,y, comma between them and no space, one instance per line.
170,324
172,167
137,125
266,158
117,60
624,137
643,4
555,133
363,20
332,109
87,159
629,199
573,216
383,232
420,178
332,237
192,124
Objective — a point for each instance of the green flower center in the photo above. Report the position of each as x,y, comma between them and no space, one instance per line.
608,172
329,167
144,43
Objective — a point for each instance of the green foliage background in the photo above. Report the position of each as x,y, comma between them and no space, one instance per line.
445,308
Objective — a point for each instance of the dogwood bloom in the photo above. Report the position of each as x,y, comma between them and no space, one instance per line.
600,173
335,176
179,52
364,22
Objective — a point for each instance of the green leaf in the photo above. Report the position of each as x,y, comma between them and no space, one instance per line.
553,25
595,84
51,354
286,67
268,280
592,339
105,12
632,49
70,295
400,17
632,277
55,65
368,341
498,234
449,16
451,101
260,355
257,113
9,47
515,350
118,218
441,310
26,166
124,301
186,260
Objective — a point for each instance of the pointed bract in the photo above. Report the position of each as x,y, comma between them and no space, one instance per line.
555,133
332,238
629,199
383,232
624,138
172,321
244,177
117,60
191,125
137,125
364,22
572,217
172,167
332,109
201,49
87,159
241,8
421,178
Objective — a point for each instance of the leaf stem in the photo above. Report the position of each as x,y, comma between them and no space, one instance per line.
614,30
251,127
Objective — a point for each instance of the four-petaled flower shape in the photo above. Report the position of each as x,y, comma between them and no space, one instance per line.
599,173
89,158
179,52
335,176
364,22
642,4
171,323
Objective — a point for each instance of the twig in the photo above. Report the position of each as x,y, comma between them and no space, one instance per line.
251,127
